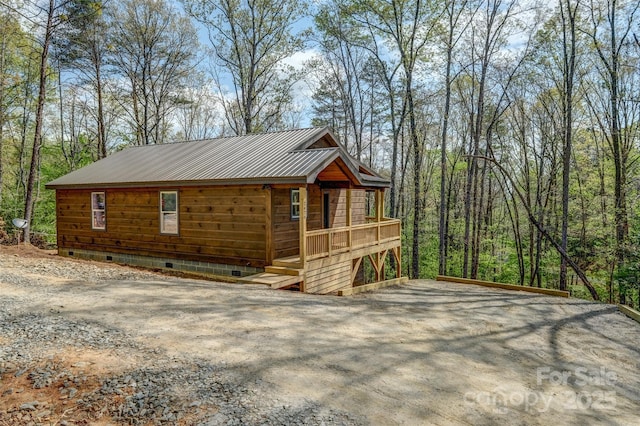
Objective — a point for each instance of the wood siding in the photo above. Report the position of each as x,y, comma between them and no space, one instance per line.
338,207
286,237
223,224
285,230
328,275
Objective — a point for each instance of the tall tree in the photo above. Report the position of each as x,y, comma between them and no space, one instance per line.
407,26
154,49
251,40
489,33
14,52
58,14
610,31
455,24
82,50
198,116
568,16
348,92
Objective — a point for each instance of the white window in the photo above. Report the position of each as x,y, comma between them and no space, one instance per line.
295,204
169,212
98,212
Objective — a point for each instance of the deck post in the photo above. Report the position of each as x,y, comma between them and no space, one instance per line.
303,224
379,211
349,216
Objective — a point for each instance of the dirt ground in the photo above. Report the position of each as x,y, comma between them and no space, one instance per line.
423,353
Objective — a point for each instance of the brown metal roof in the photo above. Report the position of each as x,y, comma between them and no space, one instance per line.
264,158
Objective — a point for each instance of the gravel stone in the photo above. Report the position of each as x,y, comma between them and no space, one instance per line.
160,390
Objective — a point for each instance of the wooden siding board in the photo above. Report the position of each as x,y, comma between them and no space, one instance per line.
286,236
327,275
232,224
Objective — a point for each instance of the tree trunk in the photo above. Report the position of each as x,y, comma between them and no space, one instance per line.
37,138
477,222
2,109
467,209
102,132
569,55
443,151
417,194
576,268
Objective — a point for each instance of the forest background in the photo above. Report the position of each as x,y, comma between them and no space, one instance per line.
509,129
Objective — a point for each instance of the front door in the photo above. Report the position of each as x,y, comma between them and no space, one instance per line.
326,208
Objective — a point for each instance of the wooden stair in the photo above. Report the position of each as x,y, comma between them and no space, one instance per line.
276,277
284,270
292,262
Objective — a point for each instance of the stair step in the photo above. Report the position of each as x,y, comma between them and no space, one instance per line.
284,270
273,280
292,262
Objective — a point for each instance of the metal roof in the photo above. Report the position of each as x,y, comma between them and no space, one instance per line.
264,158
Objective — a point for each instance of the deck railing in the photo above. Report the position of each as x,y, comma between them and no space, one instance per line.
328,242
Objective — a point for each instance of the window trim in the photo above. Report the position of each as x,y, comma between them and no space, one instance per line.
294,216
162,211
103,210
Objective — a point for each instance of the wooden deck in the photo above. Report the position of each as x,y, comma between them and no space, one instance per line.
358,238
332,257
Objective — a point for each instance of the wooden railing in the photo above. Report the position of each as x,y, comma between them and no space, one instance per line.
328,242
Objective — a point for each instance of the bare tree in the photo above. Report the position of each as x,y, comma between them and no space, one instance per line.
568,15
610,29
13,46
198,116
408,26
251,40
348,94
153,48
57,15
487,36
82,50
455,11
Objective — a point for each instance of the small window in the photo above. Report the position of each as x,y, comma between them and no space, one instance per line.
169,212
295,204
98,216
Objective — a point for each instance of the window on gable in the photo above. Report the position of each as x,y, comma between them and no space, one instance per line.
98,212
169,212
295,204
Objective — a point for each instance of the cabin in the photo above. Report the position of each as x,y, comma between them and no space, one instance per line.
288,209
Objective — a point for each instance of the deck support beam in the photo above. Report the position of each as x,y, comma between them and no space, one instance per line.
398,258
349,214
354,272
303,224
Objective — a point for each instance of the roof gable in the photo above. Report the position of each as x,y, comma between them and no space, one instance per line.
287,156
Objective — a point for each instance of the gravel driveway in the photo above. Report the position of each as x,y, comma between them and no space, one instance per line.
88,343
